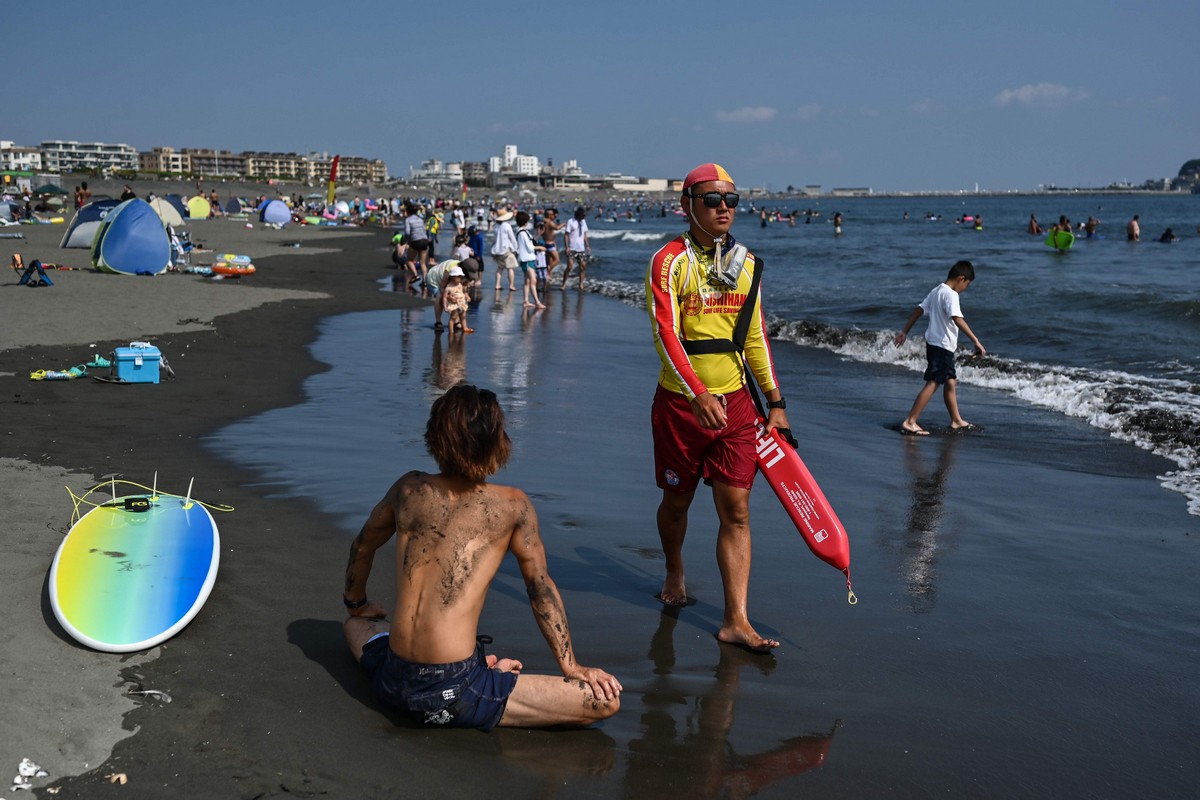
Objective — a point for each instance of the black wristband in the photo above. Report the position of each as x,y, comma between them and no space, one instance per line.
352,604
780,403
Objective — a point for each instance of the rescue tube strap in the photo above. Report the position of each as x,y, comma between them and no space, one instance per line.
695,347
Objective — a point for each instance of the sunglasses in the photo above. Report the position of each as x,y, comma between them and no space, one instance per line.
714,199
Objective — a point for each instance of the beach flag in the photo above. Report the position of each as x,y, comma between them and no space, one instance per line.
332,180
464,197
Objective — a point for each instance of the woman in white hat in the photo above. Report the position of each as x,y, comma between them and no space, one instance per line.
504,250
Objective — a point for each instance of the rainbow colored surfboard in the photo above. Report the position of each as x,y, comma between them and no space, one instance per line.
133,571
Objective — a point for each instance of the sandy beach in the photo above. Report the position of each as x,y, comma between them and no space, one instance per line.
1026,622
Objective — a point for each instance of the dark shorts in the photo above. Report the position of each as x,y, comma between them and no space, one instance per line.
462,694
419,245
684,452
940,364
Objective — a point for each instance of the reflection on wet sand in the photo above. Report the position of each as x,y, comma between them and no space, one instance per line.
923,522
684,750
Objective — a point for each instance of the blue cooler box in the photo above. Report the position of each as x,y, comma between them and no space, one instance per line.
138,364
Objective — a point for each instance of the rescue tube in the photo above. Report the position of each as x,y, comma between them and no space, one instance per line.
804,501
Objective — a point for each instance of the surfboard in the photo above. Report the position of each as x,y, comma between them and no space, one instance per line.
1060,240
804,502
133,572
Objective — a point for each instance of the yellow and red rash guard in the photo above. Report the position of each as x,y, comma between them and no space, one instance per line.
683,304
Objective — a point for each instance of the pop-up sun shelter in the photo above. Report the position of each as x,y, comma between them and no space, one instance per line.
132,241
86,222
275,212
198,208
167,212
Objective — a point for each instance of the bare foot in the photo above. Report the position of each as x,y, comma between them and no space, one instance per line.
673,592
468,330
915,430
541,305
528,305
746,638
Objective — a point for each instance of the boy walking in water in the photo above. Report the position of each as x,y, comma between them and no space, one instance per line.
941,340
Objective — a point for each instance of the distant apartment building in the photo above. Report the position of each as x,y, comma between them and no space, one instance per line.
351,169
215,162
475,173
276,165
164,160
63,156
19,159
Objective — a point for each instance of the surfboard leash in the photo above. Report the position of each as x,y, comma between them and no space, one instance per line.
154,493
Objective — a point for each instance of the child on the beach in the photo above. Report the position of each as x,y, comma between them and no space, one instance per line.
454,295
527,257
941,339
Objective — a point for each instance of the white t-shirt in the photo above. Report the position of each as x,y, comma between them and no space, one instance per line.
941,306
576,231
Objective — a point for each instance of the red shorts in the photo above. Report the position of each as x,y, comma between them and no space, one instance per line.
684,452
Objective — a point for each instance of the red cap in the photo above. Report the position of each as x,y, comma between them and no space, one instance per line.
706,172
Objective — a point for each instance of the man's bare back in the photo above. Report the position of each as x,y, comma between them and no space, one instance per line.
451,536
453,530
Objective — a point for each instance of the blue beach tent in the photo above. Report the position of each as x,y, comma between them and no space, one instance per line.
275,212
177,201
86,222
132,241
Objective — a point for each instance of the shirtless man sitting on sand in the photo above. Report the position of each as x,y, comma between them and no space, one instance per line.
453,530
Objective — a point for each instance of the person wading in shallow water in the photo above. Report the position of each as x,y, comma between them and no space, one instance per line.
703,418
452,531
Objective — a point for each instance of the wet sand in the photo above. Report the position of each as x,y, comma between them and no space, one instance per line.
1026,621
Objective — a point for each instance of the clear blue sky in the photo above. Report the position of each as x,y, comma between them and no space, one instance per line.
891,95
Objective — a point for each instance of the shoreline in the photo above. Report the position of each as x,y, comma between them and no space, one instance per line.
236,356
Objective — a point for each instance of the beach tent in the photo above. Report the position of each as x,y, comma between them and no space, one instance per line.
342,208
86,222
132,241
198,208
178,203
166,212
7,211
275,212
50,188
233,206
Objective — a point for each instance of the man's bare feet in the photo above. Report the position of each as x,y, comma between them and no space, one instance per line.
541,305
673,592
746,638
915,430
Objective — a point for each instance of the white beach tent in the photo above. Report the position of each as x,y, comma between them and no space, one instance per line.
166,212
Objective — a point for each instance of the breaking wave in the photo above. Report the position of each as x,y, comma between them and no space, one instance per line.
1158,415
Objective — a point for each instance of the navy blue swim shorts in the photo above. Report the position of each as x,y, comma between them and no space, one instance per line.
462,694
940,364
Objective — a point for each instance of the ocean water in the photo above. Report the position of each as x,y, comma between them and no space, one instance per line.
1027,618
1108,332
